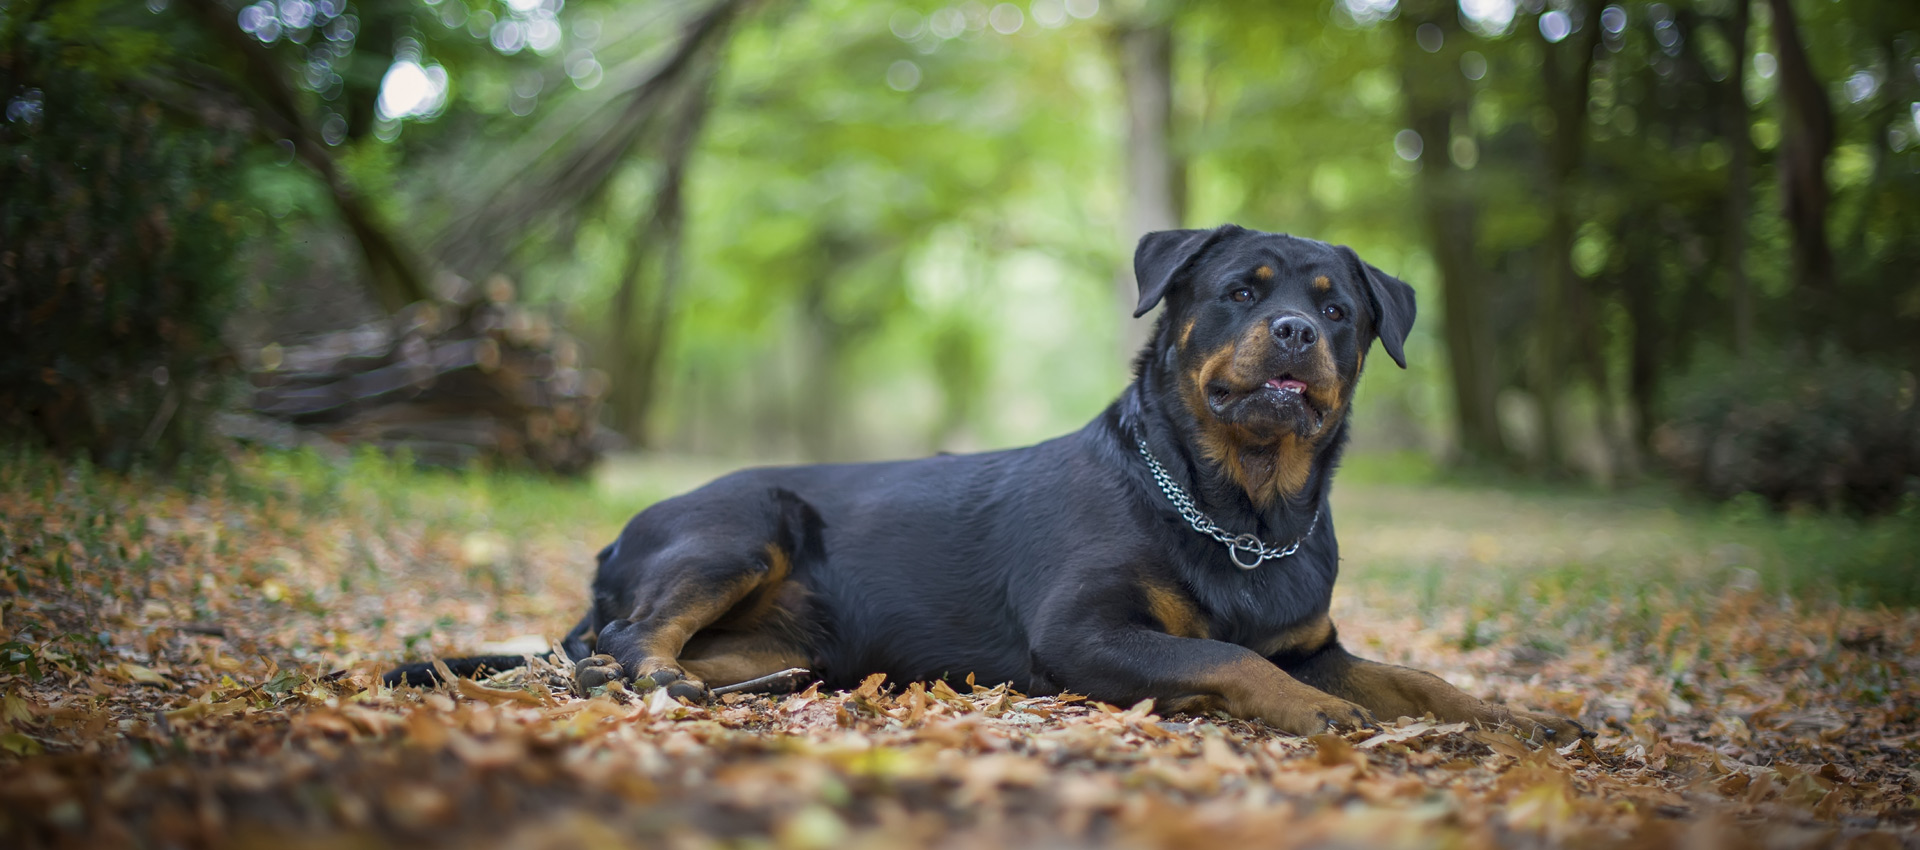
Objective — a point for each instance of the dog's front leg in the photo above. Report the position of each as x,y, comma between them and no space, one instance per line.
1196,675
1390,691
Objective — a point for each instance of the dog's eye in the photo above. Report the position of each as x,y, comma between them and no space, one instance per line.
1334,312
1242,294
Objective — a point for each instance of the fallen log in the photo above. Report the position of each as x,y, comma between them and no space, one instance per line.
447,382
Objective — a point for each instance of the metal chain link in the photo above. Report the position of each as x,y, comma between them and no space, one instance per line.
1256,548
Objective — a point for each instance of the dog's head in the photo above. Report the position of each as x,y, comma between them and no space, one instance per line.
1265,337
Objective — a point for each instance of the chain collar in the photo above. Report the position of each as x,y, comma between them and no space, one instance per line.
1255,548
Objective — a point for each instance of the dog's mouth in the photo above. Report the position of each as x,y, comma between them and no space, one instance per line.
1281,387
1283,397
1286,384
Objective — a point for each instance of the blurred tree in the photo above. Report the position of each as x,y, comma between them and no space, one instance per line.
1874,174
239,66
1563,326
836,229
117,224
638,332
1806,142
863,175
1736,134
1156,181
1435,93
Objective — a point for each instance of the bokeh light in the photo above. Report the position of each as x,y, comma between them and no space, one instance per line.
410,90
1488,17
1407,145
1555,26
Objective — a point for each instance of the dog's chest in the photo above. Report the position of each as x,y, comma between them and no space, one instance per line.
1276,607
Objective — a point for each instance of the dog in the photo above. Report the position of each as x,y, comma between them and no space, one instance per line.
1180,547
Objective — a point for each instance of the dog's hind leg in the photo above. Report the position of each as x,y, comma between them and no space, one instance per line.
682,599
722,658
736,593
676,575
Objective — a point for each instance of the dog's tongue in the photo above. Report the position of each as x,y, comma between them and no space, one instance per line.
1288,385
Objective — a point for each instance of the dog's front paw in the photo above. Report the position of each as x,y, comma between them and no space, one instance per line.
594,672
1312,716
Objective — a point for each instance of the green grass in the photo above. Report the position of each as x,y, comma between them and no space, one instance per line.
1553,566
385,491
1525,537
1405,525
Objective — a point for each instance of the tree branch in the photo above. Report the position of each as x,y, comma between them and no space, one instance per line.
394,271
572,178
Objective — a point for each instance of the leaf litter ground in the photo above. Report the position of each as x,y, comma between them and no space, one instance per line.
199,671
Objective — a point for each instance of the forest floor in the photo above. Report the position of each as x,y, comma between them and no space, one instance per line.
199,670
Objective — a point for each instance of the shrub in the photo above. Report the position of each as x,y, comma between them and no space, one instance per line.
1824,431
116,235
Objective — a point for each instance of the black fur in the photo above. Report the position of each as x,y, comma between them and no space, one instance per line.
1025,565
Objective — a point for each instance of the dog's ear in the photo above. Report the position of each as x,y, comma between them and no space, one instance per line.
1392,302
1163,254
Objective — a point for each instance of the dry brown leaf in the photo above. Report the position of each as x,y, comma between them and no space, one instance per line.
497,696
242,746
1333,751
142,675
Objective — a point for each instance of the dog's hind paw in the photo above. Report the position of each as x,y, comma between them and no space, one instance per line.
594,672
678,684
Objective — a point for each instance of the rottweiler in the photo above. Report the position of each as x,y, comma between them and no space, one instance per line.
1180,547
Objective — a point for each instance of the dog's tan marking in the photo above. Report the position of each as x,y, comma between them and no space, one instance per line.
1322,283
756,605
729,658
1301,640
1391,692
677,618
1251,688
1267,468
1186,333
1176,613
667,624
1294,459
1264,272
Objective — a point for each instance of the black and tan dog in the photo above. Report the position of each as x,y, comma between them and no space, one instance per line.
1071,565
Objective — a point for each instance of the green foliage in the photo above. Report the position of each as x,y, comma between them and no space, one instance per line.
903,222
1826,432
120,224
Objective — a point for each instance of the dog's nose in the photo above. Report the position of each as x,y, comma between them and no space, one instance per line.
1294,333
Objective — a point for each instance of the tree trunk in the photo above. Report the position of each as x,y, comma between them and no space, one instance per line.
1564,314
1805,144
1434,90
1738,132
821,408
1156,176
828,335
560,169
1892,106
639,334
365,72
1640,285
